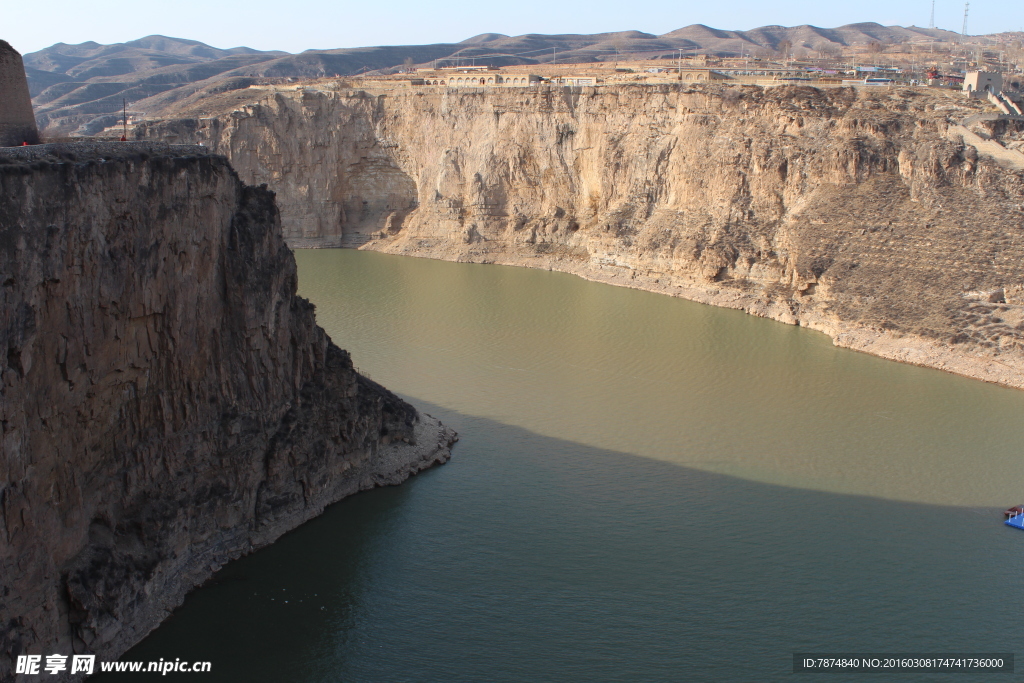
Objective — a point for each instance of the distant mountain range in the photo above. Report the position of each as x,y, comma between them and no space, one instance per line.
79,89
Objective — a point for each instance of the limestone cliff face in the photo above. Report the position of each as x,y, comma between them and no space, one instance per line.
168,403
854,213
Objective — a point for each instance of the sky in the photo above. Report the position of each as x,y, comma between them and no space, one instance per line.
297,25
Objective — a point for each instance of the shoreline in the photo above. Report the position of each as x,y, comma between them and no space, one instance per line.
391,465
839,210
905,348
171,402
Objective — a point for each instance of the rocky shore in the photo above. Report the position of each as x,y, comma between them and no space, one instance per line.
168,402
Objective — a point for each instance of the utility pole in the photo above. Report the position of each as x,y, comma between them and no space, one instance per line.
124,119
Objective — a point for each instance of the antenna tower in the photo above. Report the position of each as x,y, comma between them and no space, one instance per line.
931,24
963,31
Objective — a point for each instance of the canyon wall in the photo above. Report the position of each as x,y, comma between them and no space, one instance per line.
859,213
168,402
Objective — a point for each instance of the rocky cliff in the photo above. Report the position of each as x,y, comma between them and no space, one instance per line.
859,213
168,402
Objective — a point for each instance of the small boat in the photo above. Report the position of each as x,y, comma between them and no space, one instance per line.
1014,511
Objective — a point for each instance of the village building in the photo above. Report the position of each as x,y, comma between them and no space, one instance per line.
757,71
980,83
469,68
575,80
698,75
481,80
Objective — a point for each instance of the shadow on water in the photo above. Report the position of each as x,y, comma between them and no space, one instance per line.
529,558
673,380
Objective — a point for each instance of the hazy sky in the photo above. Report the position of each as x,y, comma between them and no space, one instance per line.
296,25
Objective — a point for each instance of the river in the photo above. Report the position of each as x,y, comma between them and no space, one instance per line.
646,489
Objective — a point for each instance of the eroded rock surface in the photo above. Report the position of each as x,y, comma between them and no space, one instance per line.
168,402
859,213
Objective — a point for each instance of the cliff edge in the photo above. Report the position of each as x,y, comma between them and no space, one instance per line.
168,402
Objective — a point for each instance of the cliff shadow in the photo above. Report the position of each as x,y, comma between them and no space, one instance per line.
375,197
533,558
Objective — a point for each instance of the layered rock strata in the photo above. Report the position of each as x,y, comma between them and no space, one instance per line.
859,213
168,402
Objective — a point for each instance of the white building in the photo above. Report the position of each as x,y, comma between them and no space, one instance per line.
575,80
482,80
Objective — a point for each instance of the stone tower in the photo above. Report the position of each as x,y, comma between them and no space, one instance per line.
17,122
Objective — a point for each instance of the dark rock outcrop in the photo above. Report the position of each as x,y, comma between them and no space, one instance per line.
168,402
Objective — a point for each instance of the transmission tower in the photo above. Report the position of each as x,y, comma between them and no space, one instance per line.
963,31
931,24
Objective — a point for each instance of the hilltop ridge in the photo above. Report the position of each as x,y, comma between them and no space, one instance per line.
80,89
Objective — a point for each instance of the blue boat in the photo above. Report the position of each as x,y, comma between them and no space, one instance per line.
1016,519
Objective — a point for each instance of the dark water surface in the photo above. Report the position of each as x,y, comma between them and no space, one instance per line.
646,489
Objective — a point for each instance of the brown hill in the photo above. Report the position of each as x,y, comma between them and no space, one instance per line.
80,89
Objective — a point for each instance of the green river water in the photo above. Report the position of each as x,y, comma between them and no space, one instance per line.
646,489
